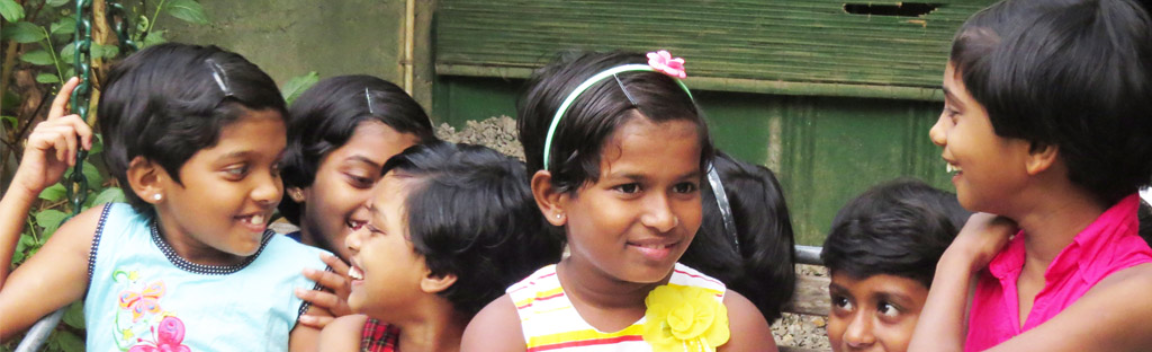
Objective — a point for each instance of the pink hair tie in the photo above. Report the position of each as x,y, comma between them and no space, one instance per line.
663,62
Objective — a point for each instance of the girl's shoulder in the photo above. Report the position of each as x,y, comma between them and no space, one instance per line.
542,279
684,275
344,333
495,328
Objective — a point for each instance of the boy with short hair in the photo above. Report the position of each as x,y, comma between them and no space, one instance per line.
882,253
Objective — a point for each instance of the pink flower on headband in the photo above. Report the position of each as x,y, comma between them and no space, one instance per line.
663,62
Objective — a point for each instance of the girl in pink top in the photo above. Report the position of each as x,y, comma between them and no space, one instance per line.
1046,123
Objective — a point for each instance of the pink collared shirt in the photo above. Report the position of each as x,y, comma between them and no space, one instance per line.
1109,244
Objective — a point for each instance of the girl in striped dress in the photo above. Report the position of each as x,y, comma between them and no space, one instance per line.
617,150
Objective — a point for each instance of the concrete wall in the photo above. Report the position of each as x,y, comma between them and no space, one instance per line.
288,38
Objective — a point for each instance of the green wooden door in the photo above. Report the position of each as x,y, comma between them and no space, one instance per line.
832,98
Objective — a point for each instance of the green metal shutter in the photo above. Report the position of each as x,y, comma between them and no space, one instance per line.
804,47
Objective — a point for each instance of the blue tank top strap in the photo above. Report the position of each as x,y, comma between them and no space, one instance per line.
142,292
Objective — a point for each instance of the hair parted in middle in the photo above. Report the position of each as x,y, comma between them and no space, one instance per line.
593,117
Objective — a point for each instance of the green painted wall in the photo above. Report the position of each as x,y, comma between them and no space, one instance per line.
835,96
825,150
288,38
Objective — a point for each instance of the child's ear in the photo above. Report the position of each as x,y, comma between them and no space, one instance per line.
550,201
1041,157
147,179
433,283
296,194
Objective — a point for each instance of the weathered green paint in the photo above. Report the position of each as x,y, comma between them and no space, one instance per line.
790,47
825,150
288,38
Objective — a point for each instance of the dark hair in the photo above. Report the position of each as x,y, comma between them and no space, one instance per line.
596,113
762,267
165,103
472,214
326,116
1076,74
899,228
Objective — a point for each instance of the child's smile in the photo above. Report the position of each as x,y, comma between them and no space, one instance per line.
217,213
635,222
344,182
984,165
386,270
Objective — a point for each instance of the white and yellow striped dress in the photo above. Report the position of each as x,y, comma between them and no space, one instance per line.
551,323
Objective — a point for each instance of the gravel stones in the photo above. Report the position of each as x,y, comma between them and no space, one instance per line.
804,331
498,133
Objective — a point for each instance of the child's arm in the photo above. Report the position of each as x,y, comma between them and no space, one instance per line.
343,334
1115,315
57,274
50,150
304,338
941,326
495,328
749,330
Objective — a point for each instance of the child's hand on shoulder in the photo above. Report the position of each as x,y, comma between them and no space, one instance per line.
334,299
52,145
981,239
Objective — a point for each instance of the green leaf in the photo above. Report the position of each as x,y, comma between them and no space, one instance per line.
68,53
53,193
10,98
153,38
141,24
93,175
104,51
24,32
11,120
45,77
21,247
97,144
74,316
57,3
11,11
297,85
187,10
67,340
66,25
37,57
50,219
109,195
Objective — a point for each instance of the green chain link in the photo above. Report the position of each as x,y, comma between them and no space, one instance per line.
76,186
118,18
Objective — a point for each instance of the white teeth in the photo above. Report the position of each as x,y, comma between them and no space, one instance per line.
952,168
257,220
355,274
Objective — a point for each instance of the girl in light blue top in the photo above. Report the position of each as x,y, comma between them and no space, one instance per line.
194,135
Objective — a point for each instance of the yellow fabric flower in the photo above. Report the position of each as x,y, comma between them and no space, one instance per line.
684,318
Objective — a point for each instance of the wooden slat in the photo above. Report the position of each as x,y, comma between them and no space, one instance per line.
798,349
811,297
726,41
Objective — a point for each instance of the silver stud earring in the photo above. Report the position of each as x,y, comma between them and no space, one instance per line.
157,197
558,216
